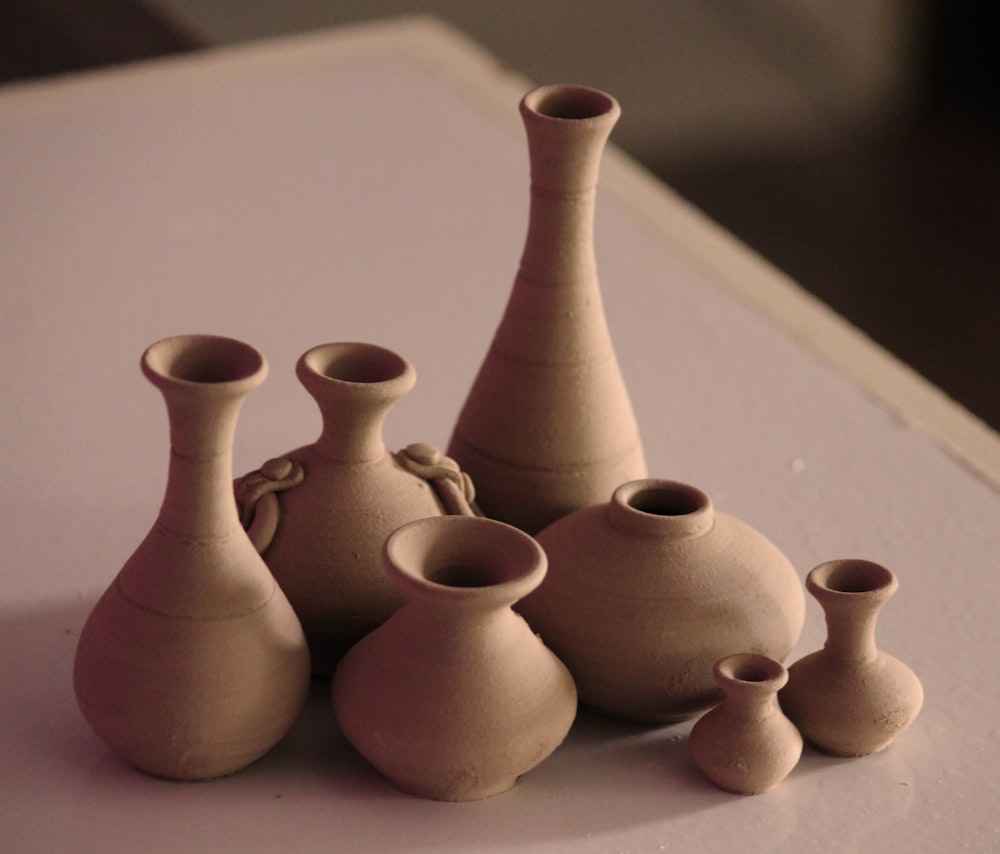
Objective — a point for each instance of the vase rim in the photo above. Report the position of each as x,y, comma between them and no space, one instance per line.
851,579
204,361
471,559
356,365
663,508
571,103
751,671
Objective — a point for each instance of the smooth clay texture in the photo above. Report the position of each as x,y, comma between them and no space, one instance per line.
548,426
193,664
454,697
850,698
645,593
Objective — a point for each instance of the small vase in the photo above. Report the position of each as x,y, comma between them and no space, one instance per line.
193,664
454,697
548,426
336,500
849,698
746,745
646,592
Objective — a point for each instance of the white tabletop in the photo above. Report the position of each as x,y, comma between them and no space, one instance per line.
371,184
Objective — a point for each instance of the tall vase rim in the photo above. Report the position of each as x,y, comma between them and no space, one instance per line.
661,508
471,560
570,103
203,361
849,580
362,368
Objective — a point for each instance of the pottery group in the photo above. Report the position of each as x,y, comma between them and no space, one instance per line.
464,602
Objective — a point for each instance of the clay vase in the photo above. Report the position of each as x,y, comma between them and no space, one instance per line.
193,664
548,427
746,745
454,697
849,698
646,592
340,497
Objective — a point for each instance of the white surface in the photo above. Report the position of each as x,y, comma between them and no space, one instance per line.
372,185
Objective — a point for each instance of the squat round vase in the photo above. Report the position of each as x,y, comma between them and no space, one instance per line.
646,592
336,500
548,427
850,698
746,745
193,664
454,697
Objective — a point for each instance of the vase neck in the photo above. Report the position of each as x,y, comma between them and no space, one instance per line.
664,509
355,386
567,129
751,683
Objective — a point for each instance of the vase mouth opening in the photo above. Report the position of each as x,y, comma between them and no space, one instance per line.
661,508
851,578
570,102
465,558
666,499
750,669
354,363
202,360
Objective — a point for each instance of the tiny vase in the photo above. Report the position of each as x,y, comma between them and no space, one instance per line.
548,426
849,698
454,697
192,664
746,745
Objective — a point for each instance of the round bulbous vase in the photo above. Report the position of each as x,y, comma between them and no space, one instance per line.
454,697
548,427
850,698
646,592
192,664
329,522
746,745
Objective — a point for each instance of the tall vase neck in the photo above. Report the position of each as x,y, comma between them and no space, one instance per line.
851,593
567,129
204,380
354,385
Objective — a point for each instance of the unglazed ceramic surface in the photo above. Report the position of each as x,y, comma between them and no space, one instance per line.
327,543
193,664
646,592
850,698
746,745
548,426
454,697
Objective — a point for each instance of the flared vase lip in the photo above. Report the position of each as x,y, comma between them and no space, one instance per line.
474,560
199,361
750,671
570,103
657,507
363,368
848,580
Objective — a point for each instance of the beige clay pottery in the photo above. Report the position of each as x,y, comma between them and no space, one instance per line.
850,698
746,745
330,527
646,592
193,664
454,697
548,427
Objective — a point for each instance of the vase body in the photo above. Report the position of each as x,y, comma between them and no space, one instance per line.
326,548
746,745
850,698
548,426
454,697
193,664
646,592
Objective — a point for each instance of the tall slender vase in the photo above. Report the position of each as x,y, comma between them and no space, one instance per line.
746,745
454,697
548,427
345,494
193,664
850,698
